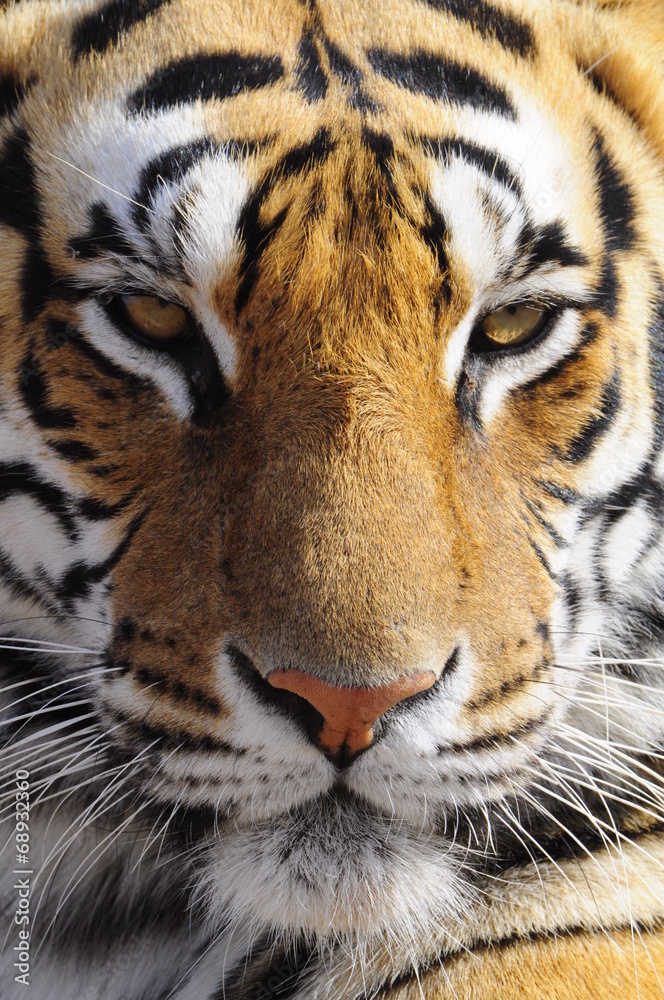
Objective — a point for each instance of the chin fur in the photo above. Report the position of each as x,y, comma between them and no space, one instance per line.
333,870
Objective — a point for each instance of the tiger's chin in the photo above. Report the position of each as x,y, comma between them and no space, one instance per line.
332,869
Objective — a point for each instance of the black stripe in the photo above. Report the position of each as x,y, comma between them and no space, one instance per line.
562,367
558,540
167,168
257,236
94,509
512,33
20,479
20,585
485,160
310,79
19,208
74,451
467,396
341,65
160,681
19,201
137,383
105,26
177,739
104,236
441,80
205,77
583,444
616,202
492,741
563,493
656,344
382,148
38,281
11,94
641,489
34,393
543,559
549,245
607,291
434,233
572,600
80,577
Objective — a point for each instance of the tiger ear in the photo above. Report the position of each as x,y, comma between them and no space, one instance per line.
621,48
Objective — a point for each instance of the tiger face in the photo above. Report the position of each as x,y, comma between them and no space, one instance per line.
330,431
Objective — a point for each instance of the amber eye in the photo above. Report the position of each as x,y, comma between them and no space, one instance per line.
512,326
154,319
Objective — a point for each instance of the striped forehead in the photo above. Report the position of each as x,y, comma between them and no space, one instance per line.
163,165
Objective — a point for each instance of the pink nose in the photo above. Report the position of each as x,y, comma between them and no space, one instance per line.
349,713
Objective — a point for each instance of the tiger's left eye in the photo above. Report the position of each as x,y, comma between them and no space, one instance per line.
155,319
512,326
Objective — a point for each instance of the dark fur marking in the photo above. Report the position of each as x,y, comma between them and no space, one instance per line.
310,79
177,739
105,26
20,479
607,292
205,77
182,692
19,201
341,65
558,540
103,237
643,488
74,451
257,236
441,80
434,233
167,168
506,688
108,368
34,392
490,163
11,94
21,586
583,443
491,23
542,559
38,281
616,201
549,245
563,493
93,509
79,577
466,398
493,741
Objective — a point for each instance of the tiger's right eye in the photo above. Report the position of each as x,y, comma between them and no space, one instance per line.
512,326
154,320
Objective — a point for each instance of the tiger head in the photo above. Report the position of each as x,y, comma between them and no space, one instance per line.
330,422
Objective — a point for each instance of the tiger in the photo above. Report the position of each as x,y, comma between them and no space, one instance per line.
331,499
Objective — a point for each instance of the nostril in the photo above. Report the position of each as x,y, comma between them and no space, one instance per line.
286,702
